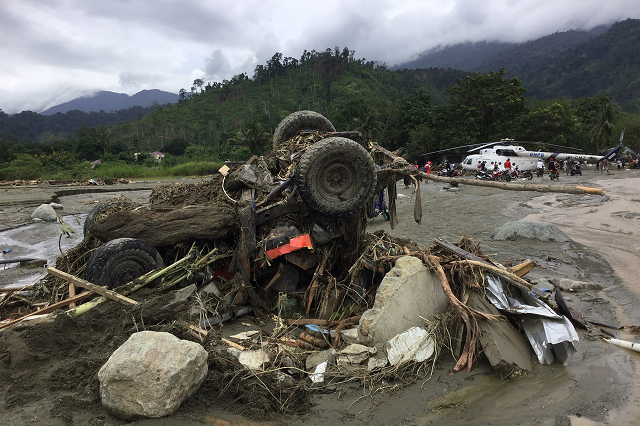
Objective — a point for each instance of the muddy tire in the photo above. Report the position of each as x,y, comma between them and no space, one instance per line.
99,209
301,120
336,176
120,261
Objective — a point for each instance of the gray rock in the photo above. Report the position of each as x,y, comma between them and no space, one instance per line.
167,306
317,358
150,375
56,206
407,294
542,231
542,284
45,212
505,348
565,284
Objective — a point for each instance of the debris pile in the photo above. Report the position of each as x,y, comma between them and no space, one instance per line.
277,246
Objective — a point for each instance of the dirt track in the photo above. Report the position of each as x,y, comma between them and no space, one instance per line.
599,384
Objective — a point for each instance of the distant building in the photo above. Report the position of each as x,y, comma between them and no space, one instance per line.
157,155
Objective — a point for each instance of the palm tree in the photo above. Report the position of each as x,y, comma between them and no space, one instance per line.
604,127
253,136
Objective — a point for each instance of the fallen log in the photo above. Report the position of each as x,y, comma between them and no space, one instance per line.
49,308
95,288
509,186
161,227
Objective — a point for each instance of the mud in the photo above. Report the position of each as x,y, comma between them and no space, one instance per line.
48,371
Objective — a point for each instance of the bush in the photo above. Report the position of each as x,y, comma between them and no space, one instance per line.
24,167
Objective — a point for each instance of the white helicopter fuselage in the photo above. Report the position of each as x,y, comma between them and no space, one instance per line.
525,160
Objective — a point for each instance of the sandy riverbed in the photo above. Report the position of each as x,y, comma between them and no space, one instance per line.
599,385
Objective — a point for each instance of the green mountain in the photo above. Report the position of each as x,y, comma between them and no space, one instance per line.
569,64
607,64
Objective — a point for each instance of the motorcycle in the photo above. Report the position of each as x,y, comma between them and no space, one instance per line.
521,174
553,174
576,170
540,172
480,175
502,176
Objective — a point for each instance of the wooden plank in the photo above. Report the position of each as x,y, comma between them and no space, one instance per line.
522,269
96,288
49,308
233,344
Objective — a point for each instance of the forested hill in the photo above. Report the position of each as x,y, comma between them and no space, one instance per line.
30,126
609,63
487,55
570,64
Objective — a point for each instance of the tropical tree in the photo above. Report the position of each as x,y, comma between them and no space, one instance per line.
603,129
253,136
491,106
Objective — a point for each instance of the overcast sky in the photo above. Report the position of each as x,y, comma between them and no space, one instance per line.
53,51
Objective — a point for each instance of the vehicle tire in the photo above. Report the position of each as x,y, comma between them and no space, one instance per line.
120,261
99,209
528,175
301,120
336,176
507,178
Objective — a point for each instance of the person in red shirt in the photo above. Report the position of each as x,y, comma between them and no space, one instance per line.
428,167
507,165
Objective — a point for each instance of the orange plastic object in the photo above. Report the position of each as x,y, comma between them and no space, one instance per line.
294,244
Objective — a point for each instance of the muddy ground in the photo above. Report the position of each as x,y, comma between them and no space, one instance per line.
599,384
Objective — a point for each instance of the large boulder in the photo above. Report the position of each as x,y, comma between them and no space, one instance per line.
45,212
408,293
150,375
542,231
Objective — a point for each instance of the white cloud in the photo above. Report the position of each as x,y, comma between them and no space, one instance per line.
54,50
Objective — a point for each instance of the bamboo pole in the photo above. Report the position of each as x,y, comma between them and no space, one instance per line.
49,308
109,294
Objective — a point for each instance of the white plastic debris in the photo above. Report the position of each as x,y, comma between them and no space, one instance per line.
415,344
318,373
245,335
624,344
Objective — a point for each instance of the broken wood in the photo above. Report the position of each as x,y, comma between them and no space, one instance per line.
470,344
50,308
523,268
95,288
197,332
315,341
72,293
233,344
295,343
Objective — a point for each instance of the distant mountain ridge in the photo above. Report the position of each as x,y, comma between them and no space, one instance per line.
111,101
483,56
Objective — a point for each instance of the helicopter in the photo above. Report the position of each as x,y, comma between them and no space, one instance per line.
498,152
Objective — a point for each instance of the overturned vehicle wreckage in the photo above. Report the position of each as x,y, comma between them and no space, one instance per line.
272,221
284,236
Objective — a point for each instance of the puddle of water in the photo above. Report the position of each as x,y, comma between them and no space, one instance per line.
582,421
40,240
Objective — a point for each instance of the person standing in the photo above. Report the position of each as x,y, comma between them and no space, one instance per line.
428,167
507,165
605,166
